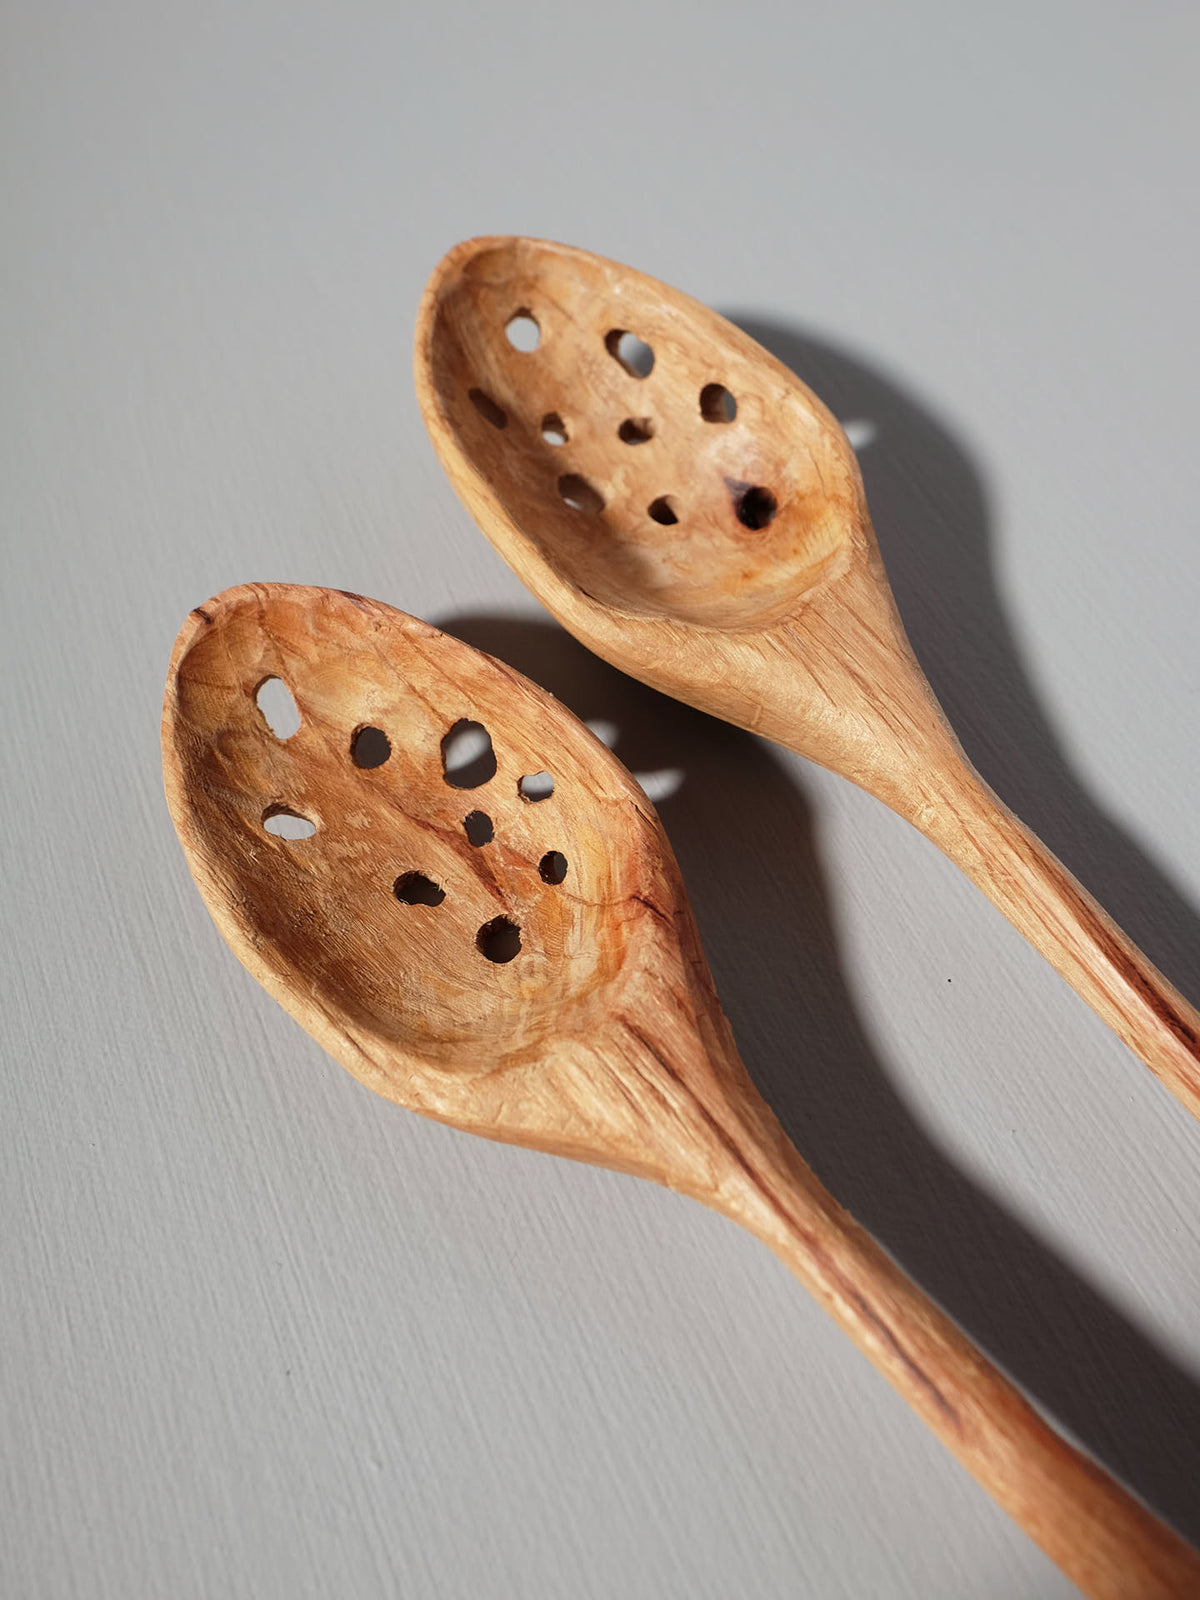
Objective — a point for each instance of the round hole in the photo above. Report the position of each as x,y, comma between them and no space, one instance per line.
663,510
499,940
579,494
717,404
553,867
523,331
634,354
370,747
756,507
478,826
468,759
554,429
274,700
488,408
415,889
284,823
635,430
536,786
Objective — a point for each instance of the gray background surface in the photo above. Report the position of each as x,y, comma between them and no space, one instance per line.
264,1335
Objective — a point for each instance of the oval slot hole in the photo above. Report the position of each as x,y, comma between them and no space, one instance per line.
536,786
553,867
487,408
415,889
523,331
370,747
717,404
468,759
554,429
284,823
635,430
634,354
663,510
279,710
478,827
499,940
579,494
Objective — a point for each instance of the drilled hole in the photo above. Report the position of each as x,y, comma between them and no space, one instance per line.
536,786
554,429
415,889
634,354
488,408
468,759
370,747
499,939
523,331
279,711
717,404
635,430
553,867
579,494
284,823
756,507
663,510
478,827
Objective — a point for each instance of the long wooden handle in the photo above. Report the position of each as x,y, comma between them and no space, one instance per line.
1057,915
1100,1536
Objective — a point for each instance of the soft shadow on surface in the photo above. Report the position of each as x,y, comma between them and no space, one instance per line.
929,506
743,834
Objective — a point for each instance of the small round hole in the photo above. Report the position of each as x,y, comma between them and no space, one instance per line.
717,404
284,823
663,510
554,429
415,889
487,408
634,354
370,747
499,940
468,760
579,494
635,430
536,786
756,507
279,711
552,868
478,826
523,331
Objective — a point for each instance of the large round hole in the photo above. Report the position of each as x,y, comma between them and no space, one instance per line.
499,940
468,759
634,354
279,711
478,828
536,786
370,747
487,408
415,889
717,404
663,510
552,868
635,430
756,507
523,331
284,823
554,429
579,494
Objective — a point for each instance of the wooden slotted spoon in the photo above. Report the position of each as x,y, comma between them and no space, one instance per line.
528,969
681,502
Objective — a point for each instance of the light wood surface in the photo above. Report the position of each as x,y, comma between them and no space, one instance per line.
699,521
600,1035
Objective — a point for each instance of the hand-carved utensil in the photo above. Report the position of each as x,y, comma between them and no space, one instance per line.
505,944
693,513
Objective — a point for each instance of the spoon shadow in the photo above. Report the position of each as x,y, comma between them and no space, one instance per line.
930,509
743,834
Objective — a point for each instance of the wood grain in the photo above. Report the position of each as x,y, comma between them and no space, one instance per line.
601,1038
785,626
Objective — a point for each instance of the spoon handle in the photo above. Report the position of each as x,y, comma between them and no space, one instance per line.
1101,1537
1057,915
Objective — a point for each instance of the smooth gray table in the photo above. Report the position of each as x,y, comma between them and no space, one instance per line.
264,1335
